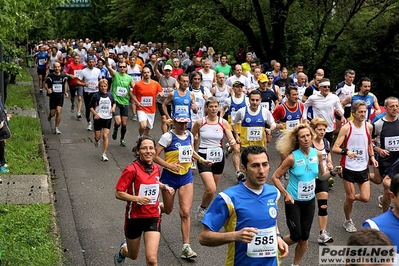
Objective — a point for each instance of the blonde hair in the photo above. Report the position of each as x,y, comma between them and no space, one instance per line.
103,81
288,142
318,121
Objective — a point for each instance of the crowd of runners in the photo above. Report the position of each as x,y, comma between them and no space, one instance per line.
211,109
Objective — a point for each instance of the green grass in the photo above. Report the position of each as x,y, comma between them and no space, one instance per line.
23,153
26,235
19,96
24,75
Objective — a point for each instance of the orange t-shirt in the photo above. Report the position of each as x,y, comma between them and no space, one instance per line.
138,62
146,94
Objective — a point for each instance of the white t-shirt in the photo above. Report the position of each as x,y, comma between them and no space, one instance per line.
200,103
323,107
242,78
90,76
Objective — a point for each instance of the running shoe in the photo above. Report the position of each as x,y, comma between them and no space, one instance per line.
41,90
199,214
194,165
57,131
134,117
123,143
104,158
4,170
349,226
324,238
240,176
88,128
188,253
96,143
380,201
79,115
227,150
72,108
331,182
115,134
118,258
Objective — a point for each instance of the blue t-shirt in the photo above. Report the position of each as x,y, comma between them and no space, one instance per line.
41,59
301,185
238,207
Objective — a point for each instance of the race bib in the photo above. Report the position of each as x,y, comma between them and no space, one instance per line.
360,154
92,86
282,90
150,191
290,124
185,154
214,154
76,73
265,105
254,133
306,190
57,87
264,244
121,91
42,62
392,143
165,92
181,108
146,101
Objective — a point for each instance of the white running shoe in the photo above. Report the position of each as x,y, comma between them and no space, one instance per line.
88,126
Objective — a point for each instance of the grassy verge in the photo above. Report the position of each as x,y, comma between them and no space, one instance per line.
25,236
26,232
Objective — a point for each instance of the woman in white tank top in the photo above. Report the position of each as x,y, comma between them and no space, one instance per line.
208,75
134,70
211,130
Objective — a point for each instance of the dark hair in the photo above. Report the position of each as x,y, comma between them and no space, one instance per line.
394,187
182,75
194,74
360,83
368,237
140,140
251,150
254,92
290,88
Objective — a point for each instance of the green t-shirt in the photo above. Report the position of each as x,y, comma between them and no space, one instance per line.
121,88
223,69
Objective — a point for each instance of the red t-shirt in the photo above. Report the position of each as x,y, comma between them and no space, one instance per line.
74,69
146,94
135,177
176,72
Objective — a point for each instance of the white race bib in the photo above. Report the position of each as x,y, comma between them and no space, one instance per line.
181,108
150,191
392,143
265,105
165,92
290,124
121,91
360,154
254,133
92,86
57,87
42,62
306,189
146,101
264,244
214,154
76,73
185,154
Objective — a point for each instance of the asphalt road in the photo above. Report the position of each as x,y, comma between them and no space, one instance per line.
90,218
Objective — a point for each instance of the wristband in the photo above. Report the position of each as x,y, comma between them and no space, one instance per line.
372,155
344,151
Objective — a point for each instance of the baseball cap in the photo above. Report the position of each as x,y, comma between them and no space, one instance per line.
167,67
263,78
182,117
238,83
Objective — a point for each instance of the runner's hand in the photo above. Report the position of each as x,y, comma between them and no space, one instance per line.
288,199
144,200
246,234
282,247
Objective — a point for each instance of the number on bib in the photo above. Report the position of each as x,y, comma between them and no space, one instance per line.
306,189
254,133
264,244
121,91
214,154
150,191
146,101
185,154
57,88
